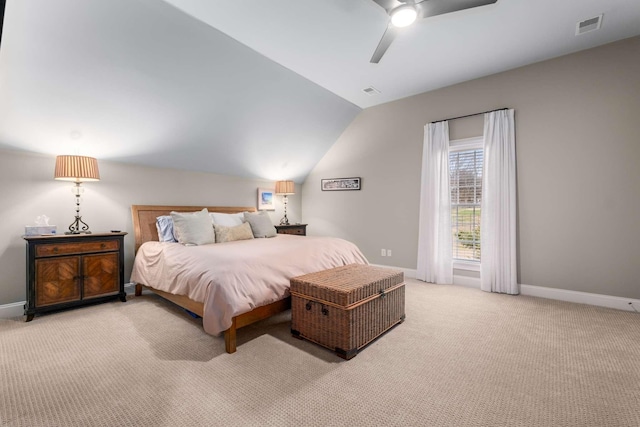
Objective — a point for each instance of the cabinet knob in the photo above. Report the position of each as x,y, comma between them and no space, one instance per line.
55,250
102,246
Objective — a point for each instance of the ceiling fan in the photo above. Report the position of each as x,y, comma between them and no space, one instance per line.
403,13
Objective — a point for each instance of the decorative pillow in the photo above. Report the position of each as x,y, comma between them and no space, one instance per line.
260,224
164,225
193,228
228,220
230,234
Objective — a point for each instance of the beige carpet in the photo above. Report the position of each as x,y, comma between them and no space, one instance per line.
462,358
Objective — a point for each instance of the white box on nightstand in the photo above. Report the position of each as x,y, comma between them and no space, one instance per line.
39,230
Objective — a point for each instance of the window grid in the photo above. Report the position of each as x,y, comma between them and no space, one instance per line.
465,168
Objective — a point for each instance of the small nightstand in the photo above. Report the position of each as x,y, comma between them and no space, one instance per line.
297,229
67,271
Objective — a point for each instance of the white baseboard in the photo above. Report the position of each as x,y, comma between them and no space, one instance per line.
469,282
408,272
412,273
15,309
620,303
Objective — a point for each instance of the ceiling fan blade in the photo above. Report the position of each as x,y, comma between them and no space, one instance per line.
428,8
384,44
388,4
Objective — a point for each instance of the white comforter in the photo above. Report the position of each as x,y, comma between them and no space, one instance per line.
235,277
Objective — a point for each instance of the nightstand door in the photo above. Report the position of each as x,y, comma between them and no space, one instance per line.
101,274
58,279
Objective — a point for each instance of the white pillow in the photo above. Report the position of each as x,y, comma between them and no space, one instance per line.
260,224
227,220
193,228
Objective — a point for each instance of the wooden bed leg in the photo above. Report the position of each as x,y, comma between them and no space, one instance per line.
138,289
230,338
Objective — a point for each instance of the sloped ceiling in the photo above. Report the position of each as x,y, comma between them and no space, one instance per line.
140,81
255,88
331,42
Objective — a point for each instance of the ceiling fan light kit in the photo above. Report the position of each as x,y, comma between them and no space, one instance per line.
403,13
403,16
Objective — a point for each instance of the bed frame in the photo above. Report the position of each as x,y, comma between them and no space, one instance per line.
144,227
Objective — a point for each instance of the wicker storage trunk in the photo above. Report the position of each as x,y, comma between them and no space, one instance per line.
345,308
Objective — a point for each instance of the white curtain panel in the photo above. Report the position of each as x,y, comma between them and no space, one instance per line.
435,262
498,267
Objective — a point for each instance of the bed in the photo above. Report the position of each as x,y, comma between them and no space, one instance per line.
233,284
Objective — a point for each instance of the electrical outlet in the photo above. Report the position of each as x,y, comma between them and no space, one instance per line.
383,252
388,252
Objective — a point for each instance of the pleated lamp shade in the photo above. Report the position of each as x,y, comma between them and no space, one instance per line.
285,187
76,168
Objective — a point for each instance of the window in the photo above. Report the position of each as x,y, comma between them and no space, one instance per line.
465,168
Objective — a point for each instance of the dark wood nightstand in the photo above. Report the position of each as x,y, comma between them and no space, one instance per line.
297,229
66,271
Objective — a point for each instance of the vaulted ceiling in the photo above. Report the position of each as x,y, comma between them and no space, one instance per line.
251,88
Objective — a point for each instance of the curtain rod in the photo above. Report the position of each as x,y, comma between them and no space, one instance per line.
469,115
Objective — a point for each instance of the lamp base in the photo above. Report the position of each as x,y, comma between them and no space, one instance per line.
75,227
284,220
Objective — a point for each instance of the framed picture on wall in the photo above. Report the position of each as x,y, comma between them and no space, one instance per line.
265,199
340,184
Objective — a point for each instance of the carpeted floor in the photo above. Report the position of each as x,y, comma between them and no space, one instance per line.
462,358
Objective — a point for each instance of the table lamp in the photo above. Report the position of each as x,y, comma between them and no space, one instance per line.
77,169
285,188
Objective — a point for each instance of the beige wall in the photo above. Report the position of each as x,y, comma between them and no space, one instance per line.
578,169
28,190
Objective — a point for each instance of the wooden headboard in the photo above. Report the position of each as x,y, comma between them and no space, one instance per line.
144,218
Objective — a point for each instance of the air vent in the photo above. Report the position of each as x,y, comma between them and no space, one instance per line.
371,90
587,25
